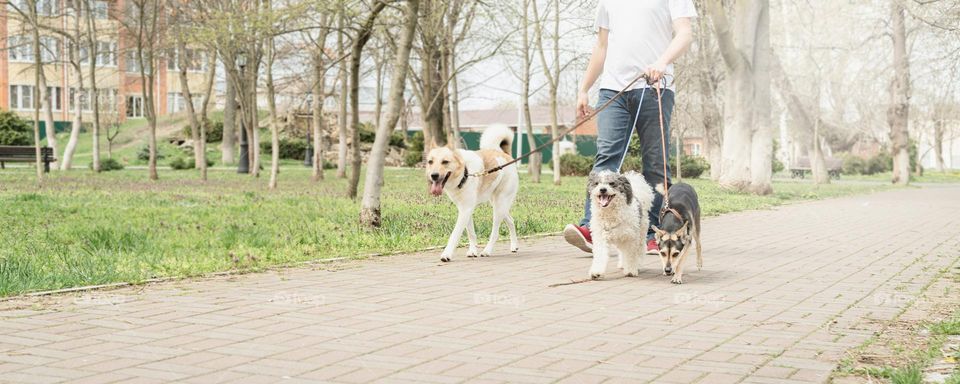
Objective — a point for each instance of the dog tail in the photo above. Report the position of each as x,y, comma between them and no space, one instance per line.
497,137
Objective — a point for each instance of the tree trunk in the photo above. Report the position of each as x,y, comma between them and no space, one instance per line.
342,118
533,166
94,93
204,121
746,53
199,158
761,167
229,144
899,111
254,126
938,130
818,165
319,97
553,79
67,160
38,67
363,35
50,129
370,205
272,105
432,96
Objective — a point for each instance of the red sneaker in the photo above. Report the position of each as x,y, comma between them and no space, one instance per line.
653,248
578,236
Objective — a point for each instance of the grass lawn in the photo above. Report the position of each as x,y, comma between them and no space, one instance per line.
929,176
81,229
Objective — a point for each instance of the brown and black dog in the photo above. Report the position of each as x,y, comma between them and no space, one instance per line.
679,226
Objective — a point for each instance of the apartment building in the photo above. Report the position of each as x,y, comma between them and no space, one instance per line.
118,73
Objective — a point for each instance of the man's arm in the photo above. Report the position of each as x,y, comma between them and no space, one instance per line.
682,37
594,68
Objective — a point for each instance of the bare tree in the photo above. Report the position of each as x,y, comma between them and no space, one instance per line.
370,206
552,73
75,40
746,54
363,35
534,162
898,113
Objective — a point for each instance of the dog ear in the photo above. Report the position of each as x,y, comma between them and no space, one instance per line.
658,231
682,232
626,188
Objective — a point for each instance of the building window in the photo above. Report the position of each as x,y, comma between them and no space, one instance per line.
108,99
20,49
177,103
695,149
134,106
56,97
196,59
106,54
47,7
49,49
21,97
101,10
132,63
84,100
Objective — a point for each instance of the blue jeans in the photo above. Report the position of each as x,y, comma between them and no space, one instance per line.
614,132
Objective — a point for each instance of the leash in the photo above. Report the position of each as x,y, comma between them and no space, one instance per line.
665,207
565,132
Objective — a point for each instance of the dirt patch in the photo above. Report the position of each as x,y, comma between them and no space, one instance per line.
908,340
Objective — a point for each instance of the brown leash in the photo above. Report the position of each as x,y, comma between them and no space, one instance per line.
665,207
564,133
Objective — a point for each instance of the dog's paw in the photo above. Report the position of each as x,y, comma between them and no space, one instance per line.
677,279
445,258
472,253
631,273
514,249
596,276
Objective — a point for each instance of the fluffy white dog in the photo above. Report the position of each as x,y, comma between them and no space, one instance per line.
448,170
619,206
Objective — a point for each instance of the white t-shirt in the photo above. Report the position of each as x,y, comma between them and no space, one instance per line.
640,31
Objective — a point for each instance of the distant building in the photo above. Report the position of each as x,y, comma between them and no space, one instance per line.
118,75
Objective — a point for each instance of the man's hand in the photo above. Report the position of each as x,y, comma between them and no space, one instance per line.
655,72
583,106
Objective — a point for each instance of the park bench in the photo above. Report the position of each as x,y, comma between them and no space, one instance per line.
802,168
18,154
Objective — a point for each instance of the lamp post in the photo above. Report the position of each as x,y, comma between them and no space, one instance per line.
244,163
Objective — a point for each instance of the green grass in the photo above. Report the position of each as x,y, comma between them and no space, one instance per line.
929,176
81,229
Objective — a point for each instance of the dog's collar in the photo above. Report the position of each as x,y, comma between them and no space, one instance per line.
464,179
664,211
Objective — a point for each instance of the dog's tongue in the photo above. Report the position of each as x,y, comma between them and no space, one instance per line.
436,188
605,200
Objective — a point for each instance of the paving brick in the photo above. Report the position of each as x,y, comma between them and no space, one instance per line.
786,316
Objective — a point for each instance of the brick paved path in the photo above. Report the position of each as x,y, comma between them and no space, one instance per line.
782,295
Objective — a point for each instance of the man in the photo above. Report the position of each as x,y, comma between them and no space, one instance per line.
634,37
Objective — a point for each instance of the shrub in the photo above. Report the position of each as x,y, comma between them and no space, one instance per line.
692,166
880,163
108,164
416,142
290,149
776,165
214,130
575,165
396,140
14,130
412,158
329,165
367,133
185,162
853,165
144,153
